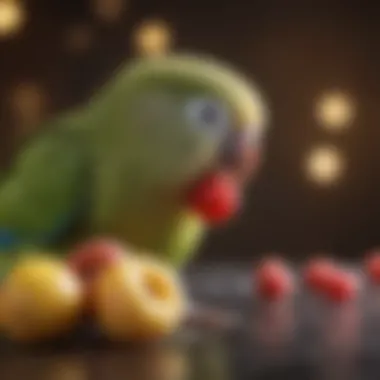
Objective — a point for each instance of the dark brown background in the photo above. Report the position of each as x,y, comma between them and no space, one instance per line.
295,50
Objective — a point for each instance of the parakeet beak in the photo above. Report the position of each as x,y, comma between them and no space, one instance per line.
218,195
240,155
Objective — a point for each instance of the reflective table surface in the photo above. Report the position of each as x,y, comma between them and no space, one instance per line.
298,338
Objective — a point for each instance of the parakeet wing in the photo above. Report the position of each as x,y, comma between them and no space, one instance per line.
42,194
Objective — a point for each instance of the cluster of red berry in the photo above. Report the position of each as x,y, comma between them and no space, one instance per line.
323,276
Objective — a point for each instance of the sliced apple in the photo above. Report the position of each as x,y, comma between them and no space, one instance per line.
139,299
40,299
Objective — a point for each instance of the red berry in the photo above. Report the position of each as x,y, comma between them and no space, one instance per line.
372,266
216,198
341,287
273,279
317,274
91,257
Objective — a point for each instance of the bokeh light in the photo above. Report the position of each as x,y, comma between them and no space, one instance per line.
67,368
12,17
109,11
169,363
28,103
153,38
79,38
335,111
325,165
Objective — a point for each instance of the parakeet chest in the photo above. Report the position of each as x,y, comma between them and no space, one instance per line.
126,205
135,211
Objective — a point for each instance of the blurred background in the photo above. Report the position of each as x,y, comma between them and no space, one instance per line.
316,61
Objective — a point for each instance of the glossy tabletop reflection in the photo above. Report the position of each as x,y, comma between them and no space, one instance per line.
299,338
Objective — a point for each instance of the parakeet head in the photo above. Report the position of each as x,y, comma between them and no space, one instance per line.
180,118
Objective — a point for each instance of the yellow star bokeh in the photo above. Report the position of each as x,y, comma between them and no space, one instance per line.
153,38
325,165
335,111
108,11
12,17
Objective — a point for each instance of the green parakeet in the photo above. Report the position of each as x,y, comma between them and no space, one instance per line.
120,165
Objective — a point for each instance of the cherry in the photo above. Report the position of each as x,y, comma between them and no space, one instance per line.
92,256
317,274
372,266
273,279
341,287
216,198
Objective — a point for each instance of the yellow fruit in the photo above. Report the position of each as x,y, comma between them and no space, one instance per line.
40,299
139,299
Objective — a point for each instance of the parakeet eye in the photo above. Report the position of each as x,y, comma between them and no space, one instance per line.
207,113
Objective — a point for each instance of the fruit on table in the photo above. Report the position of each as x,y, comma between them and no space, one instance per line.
372,266
274,279
139,299
341,287
40,299
93,256
215,198
318,272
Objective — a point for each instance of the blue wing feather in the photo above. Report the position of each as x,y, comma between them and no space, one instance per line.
8,240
